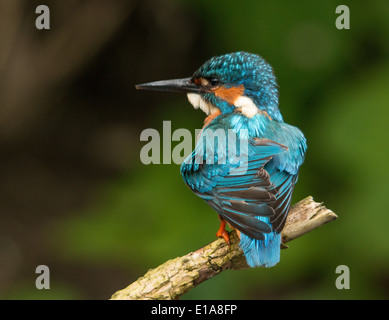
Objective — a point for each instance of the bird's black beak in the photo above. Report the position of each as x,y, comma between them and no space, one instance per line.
176,85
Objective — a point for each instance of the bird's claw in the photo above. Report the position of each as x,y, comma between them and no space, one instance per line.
222,232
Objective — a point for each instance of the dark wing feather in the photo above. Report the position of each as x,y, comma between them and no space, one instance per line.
283,185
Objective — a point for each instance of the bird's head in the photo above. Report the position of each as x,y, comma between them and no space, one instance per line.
236,82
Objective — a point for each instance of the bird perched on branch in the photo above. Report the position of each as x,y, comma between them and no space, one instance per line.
250,188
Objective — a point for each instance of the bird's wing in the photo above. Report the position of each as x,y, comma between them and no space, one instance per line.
282,187
243,192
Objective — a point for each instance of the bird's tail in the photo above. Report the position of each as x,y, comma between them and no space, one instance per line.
261,253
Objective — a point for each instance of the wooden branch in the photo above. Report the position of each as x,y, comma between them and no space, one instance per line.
175,277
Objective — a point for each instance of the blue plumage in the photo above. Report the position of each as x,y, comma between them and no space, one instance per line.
250,188
279,162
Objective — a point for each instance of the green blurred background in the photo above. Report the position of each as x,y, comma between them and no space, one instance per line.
74,195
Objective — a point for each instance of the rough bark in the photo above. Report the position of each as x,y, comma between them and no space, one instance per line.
177,276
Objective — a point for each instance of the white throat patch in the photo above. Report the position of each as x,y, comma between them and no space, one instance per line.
249,109
198,102
246,104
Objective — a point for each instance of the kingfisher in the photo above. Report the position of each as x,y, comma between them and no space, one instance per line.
252,191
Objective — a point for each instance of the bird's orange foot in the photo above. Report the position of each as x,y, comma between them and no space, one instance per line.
222,232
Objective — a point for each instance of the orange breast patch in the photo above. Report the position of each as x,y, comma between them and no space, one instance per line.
229,94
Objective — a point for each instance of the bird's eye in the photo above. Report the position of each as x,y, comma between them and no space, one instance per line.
207,83
214,82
